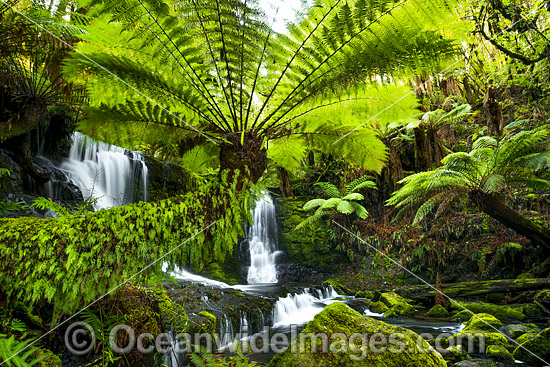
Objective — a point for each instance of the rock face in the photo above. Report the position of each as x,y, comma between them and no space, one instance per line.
165,179
371,343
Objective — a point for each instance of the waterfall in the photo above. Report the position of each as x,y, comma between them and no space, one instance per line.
262,242
112,175
297,309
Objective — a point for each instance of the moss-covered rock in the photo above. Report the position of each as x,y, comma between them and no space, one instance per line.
398,306
532,310
208,322
338,285
483,321
339,318
525,337
311,249
438,311
378,307
534,349
500,312
455,353
463,315
514,331
479,340
499,353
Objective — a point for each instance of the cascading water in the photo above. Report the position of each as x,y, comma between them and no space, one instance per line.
262,242
297,309
110,174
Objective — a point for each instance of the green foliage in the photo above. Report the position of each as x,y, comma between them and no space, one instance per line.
489,167
102,325
338,202
206,359
17,353
222,72
71,260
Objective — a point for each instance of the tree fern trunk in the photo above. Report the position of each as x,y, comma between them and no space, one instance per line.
494,206
243,153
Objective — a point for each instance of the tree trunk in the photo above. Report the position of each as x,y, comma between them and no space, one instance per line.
426,294
286,188
493,112
494,206
249,158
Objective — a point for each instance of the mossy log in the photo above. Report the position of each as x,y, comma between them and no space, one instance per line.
426,294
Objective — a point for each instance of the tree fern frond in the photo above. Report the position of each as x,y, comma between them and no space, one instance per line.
313,204
329,189
345,207
353,196
359,183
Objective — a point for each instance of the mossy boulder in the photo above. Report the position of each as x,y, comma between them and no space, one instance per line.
455,353
525,337
532,310
463,315
438,311
537,345
499,353
398,306
339,287
500,312
378,307
514,331
483,321
479,340
339,322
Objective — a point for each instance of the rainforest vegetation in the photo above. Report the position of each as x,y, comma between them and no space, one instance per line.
390,155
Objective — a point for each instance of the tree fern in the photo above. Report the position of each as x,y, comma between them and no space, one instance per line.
224,74
482,175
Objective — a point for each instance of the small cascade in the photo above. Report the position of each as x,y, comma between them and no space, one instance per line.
297,309
262,242
111,174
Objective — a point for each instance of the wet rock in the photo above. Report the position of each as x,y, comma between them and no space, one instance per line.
476,363
454,354
165,179
339,322
483,321
398,306
438,311
378,307
534,348
499,353
516,330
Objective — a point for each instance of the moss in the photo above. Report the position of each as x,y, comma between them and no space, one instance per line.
483,321
364,294
438,311
517,330
456,353
312,248
50,359
339,318
532,310
463,315
494,297
537,345
378,307
499,354
525,337
398,306
208,322
338,285
500,312
480,339
525,276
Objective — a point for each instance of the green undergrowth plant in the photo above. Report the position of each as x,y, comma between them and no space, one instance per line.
17,353
71,260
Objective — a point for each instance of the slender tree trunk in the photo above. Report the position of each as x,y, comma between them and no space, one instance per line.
286,188
494,206
493,112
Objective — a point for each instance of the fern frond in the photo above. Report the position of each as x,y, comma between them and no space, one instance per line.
329,189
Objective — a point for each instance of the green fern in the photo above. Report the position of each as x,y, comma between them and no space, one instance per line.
337,202
17,353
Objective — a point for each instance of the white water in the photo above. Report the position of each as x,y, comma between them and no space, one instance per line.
262,242
105,172
297,309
